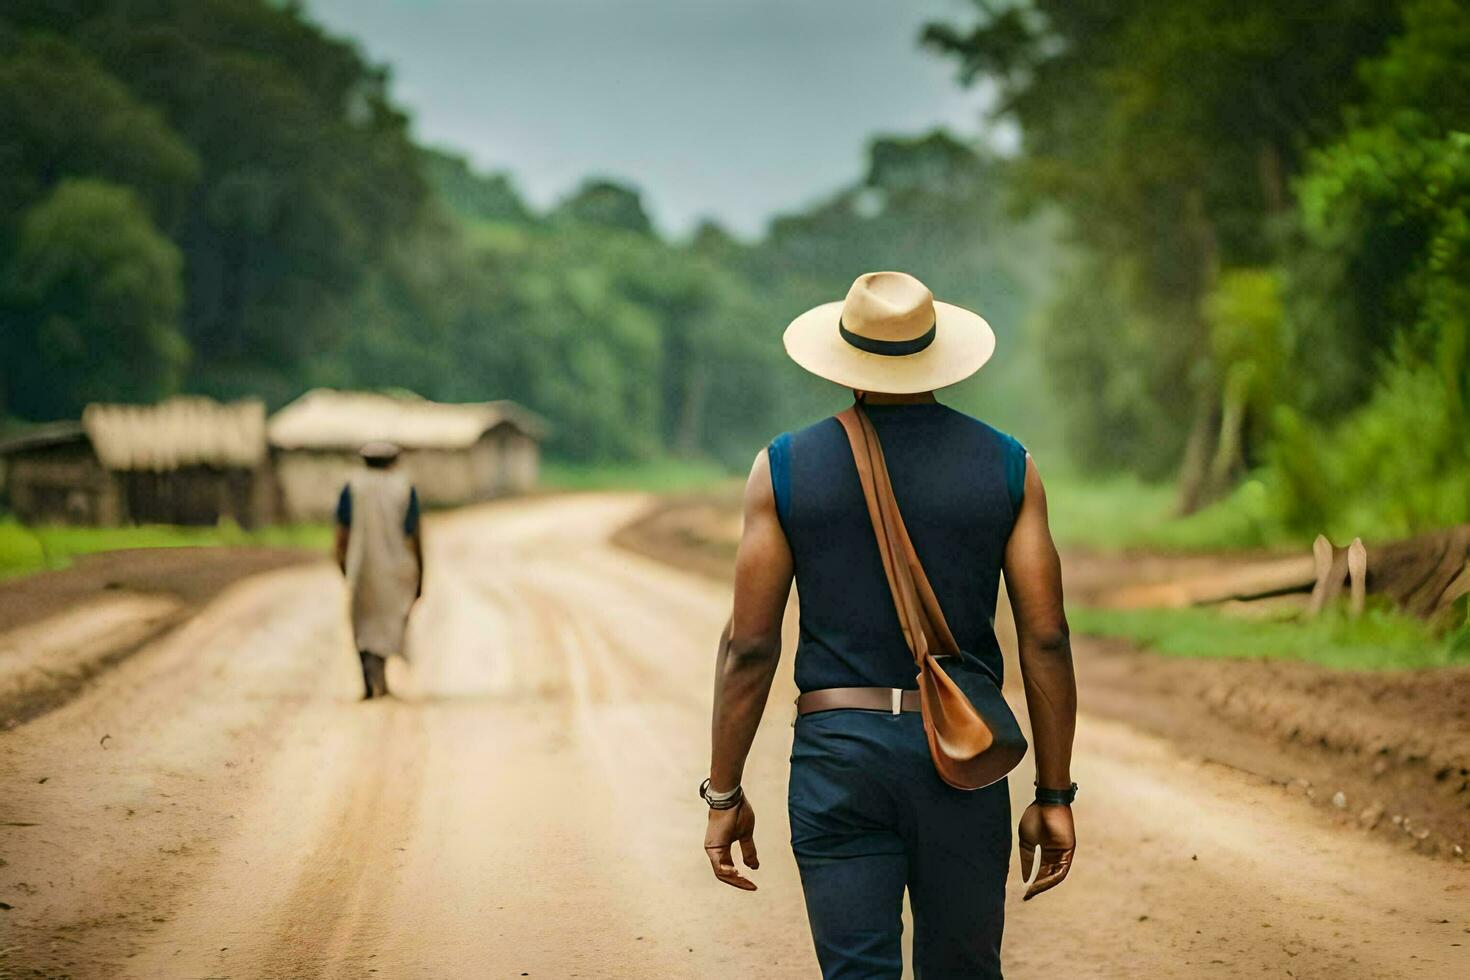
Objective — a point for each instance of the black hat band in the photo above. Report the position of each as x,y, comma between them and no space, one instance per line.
889,348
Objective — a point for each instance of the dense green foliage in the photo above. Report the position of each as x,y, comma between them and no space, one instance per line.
1386,225
264,224
1265,289
99,289
666,476
635,346
265,150
1269,207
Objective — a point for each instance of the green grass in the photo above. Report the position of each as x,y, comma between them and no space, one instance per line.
1115,513
1380,640
24,550
666,475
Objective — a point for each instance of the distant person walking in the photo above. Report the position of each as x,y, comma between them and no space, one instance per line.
380,550
897,519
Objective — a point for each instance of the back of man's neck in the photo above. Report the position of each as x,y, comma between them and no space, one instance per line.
881,398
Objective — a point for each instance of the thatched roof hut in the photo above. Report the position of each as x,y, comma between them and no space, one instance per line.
178,433
187,460
454,453
325,419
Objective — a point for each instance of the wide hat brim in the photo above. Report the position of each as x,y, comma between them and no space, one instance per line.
963,342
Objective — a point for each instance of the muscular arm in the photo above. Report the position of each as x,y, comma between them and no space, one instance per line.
750,646
1034,582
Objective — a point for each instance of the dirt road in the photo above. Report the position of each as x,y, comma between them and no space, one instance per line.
220,805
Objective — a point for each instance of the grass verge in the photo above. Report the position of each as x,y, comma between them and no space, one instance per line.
1119,512
1380,640
667,475
24,550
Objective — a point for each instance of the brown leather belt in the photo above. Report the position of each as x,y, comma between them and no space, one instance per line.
889,699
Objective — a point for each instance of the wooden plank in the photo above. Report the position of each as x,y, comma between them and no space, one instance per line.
1269,578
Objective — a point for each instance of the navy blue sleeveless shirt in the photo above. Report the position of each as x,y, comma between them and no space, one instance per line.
958,483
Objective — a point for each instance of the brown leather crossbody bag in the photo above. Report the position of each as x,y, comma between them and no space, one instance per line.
973,736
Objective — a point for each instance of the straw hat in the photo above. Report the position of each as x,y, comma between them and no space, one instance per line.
890,335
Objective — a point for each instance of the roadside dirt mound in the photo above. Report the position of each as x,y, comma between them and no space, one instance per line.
193,575
1387,752
697,533
59,630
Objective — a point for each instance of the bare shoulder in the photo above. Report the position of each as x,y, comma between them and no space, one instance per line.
760,496
1035,489
1031,535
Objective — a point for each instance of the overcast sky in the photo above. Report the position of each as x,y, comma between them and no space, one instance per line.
737,109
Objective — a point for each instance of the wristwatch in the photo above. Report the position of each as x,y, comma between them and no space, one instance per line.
1056,797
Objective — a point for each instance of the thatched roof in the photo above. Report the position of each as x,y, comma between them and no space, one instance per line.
42,436
185,431
324,419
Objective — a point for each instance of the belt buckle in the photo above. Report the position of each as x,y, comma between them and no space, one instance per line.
897,696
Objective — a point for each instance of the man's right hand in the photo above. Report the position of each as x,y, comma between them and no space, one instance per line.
1050,829
724,829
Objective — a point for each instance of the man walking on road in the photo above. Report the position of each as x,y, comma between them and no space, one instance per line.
870,813
380,550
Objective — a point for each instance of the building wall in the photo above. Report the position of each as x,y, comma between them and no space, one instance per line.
445,478
503,461
309,482
192,495
62,484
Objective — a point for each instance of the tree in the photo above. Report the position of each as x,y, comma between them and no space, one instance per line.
316,244
607,204
63,115
1170,133
1248,342
92,299
308,175
1386,211
473,196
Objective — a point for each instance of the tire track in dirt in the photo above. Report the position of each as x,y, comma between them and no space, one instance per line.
131,784
328,921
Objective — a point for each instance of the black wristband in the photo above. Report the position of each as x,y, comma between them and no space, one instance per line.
1056,797
736,797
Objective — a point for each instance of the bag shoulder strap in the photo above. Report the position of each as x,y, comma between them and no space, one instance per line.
924,626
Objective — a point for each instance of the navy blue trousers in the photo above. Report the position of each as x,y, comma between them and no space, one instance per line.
869,818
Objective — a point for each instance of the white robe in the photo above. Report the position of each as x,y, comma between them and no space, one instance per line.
382,570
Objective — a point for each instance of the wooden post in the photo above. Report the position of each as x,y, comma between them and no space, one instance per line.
1357,562
1329,580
